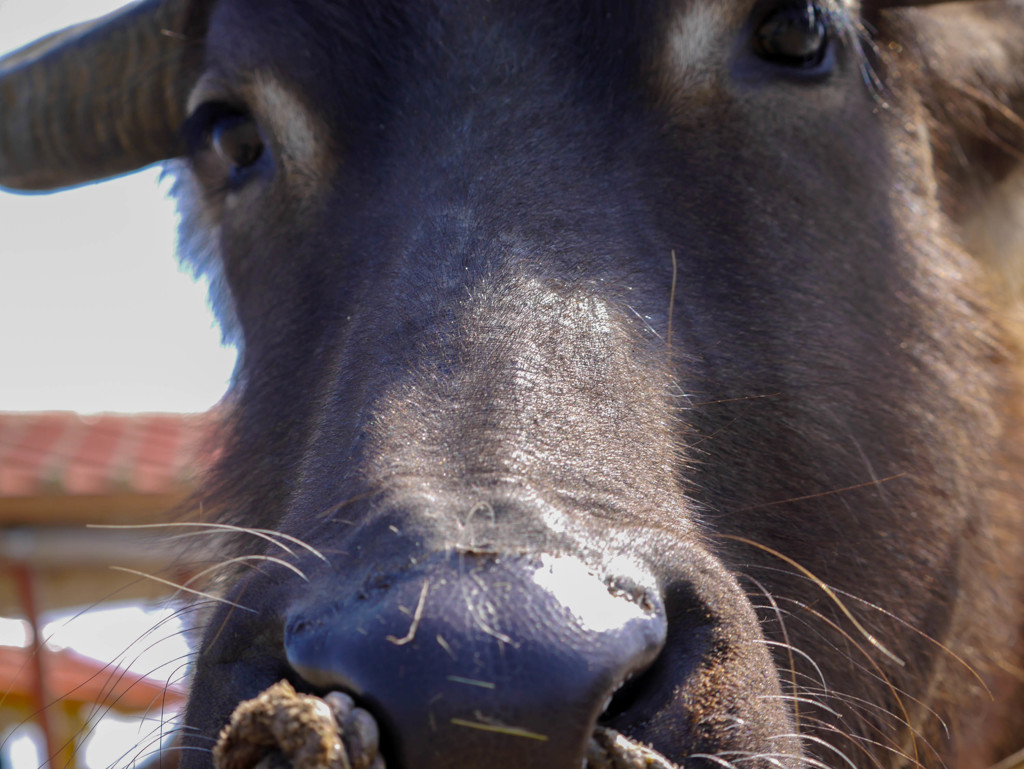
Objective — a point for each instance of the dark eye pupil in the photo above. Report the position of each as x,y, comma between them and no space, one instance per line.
237,140
795,35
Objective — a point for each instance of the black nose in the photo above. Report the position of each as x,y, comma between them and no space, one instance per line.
482,661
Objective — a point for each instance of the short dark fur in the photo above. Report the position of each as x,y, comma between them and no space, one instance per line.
474,310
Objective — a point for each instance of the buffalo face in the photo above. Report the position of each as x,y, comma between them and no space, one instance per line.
608,368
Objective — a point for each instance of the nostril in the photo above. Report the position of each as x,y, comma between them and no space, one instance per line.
624,698
467,660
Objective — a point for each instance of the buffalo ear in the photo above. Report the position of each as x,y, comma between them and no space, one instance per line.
967,61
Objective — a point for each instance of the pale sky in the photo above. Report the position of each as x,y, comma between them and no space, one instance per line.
94,314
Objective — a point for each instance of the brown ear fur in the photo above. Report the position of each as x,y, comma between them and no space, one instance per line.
970,60
953,81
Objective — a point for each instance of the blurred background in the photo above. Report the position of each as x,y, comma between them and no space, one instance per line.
110,363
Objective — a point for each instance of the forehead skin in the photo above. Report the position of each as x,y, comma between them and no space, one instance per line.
322,77
354,61
364,55
362,40
361,54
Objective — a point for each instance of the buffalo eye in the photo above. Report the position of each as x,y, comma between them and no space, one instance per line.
225,144
793,34
237,140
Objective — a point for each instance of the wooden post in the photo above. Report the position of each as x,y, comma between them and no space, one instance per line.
26,579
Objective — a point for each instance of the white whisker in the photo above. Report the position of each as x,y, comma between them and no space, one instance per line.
245,558
268,535
177,586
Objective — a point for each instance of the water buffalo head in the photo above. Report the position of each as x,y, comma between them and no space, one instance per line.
624,373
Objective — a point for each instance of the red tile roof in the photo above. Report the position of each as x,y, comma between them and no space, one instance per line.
67,453
76,680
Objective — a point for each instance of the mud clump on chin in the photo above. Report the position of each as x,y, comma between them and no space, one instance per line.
610,750
282,729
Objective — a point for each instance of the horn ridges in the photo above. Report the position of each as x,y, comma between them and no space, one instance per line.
98,99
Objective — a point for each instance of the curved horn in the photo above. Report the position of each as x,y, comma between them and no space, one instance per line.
97,99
